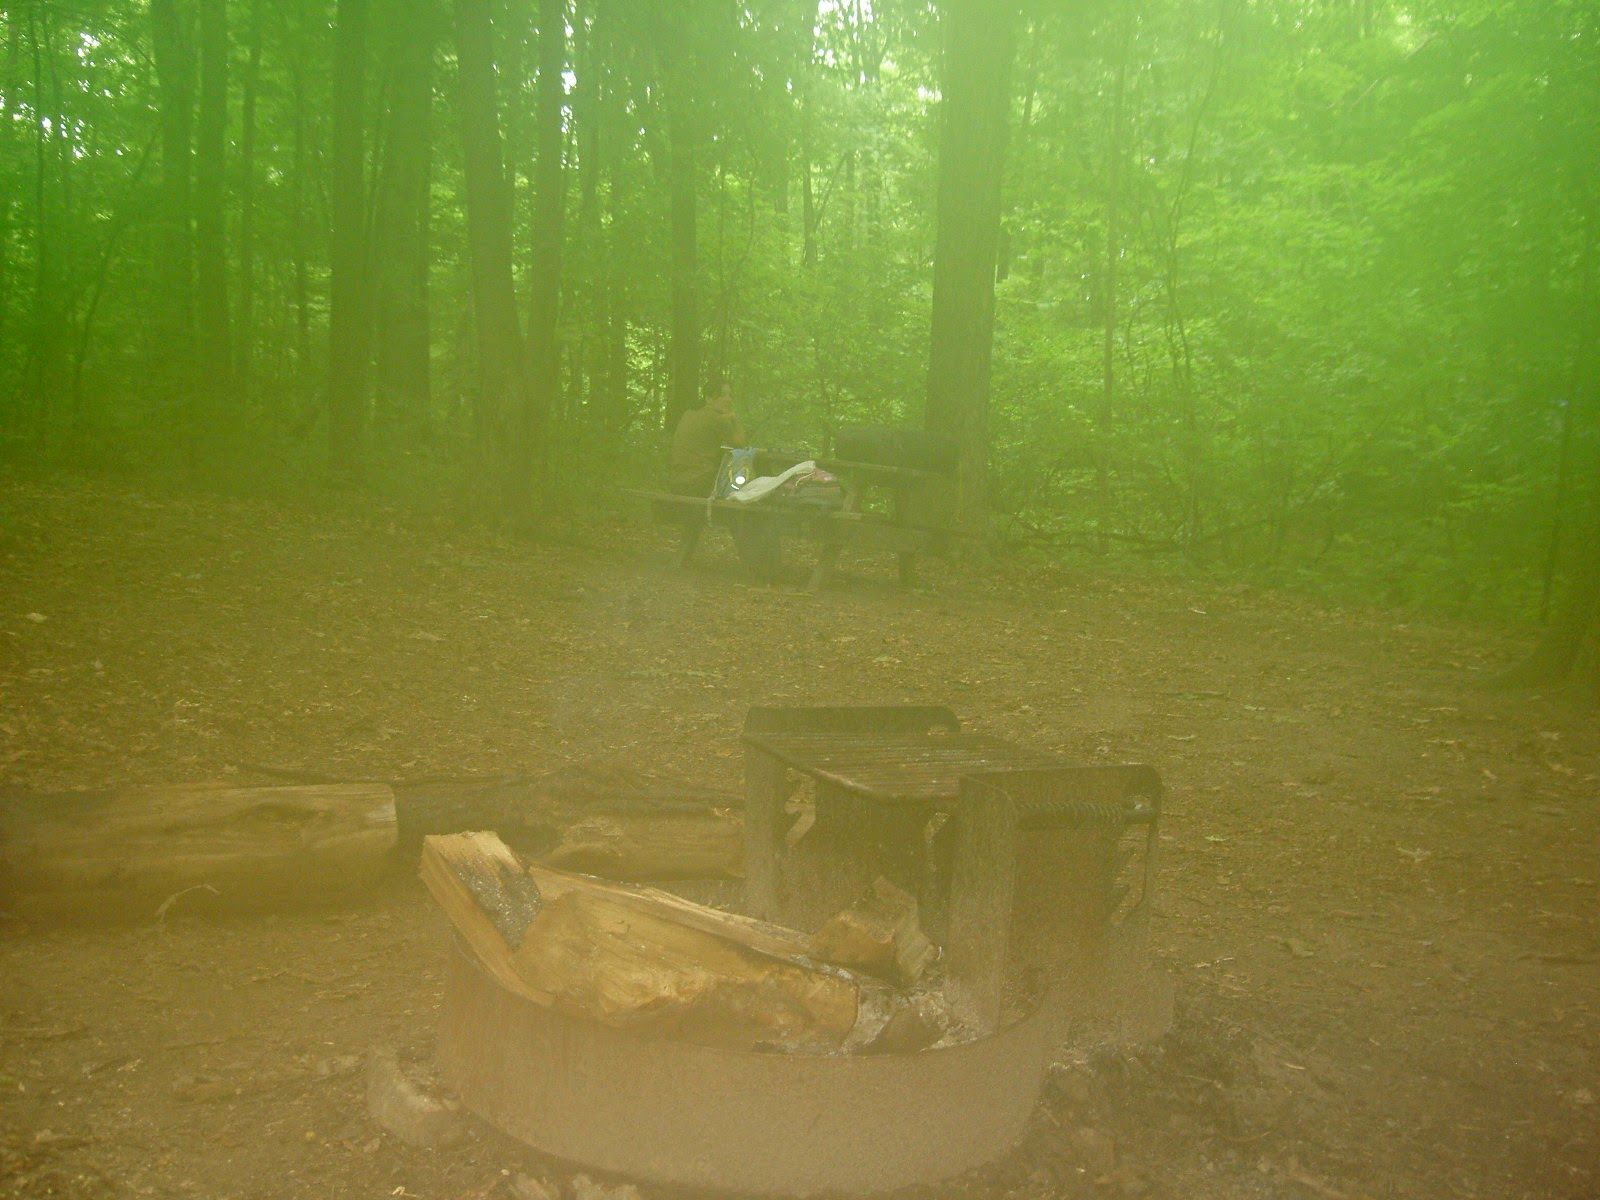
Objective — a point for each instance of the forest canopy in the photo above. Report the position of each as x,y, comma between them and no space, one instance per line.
1303,287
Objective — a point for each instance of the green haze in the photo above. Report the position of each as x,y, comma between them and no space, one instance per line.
1299,288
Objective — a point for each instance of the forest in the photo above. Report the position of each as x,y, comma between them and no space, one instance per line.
389,808
1301,290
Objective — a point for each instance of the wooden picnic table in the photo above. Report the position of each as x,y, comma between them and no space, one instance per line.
912,525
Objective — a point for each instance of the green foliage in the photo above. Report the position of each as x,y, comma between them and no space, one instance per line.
1349,318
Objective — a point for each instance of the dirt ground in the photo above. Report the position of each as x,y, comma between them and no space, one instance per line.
1377,895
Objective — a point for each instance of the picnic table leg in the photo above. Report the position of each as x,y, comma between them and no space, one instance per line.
756,536
908,570
689,540
827,556
765,791
907,559
832,539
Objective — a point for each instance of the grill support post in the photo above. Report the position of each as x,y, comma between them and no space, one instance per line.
765,791
983,881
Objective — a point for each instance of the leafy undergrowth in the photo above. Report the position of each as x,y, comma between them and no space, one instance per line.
1376,893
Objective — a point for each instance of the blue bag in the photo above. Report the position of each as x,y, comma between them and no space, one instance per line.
737,466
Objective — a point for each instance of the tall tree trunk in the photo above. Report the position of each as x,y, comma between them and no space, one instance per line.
808,199
619,307
244,323
719,356
210,226
586,107
53,339
347,318
683,135
1570,647
175,74
497,414
684,352
549,206
614,387
1582,366
587,299
514,57
401,222
37,376
119,226
979,47
12,81
1106,416
300,218
1179,348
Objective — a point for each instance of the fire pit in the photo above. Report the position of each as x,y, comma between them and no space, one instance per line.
597,1060
677,1113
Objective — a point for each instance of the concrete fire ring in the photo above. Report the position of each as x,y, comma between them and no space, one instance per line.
670,1112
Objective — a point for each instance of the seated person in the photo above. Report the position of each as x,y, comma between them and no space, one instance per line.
692,466
698,440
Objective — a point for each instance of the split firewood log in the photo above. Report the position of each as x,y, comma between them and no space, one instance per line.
483,889
878,934
127,854
707,844
614,962
533,813
777,940
636,957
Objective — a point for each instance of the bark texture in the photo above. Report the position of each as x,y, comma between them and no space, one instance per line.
980,44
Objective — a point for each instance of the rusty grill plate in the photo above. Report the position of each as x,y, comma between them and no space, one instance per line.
904,768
